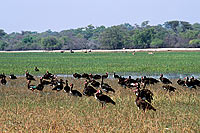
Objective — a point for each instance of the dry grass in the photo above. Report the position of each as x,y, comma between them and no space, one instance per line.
22,110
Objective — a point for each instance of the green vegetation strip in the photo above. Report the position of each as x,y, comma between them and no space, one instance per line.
68,63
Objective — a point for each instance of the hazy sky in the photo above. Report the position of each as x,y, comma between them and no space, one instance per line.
57,15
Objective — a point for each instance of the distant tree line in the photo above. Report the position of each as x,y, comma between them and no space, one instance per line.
172,34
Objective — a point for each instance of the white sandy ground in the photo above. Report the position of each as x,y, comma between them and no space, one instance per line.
118,50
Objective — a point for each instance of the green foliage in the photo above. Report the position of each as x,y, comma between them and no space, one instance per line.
195,42
113,37
28,39
156,43
50,43
2,33
185,26
142,38
145,24
196,26
173,25
172,33
3,45
190,34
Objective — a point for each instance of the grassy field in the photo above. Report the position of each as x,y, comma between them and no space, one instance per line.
22,110
67,63
25,111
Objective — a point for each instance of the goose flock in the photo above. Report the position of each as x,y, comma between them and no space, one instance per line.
92,86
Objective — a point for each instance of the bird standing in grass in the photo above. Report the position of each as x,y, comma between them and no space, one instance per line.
88,90
36,69
143,104
103,99
115,76
169,88
2,75
180,82
105,87
189,84
66,88
29,76
59,85
165,80
74,92
3,81
12,76
143,99
39,87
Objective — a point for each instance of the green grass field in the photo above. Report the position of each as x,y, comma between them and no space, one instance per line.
67,63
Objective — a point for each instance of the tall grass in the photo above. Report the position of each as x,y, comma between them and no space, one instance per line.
25,111
67,63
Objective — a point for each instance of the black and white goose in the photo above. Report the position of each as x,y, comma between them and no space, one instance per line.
105,76
195,81
29,76
44,82
121,81
105,87
12,76
74,92
85,75
2,75
39,87
67,87
96,76
88,90
48,75
145,94
103,99
115,75
143,104
169,88
180,82
94,83
189,84
76,75
59,85
148,81
36,69
165,80
3,81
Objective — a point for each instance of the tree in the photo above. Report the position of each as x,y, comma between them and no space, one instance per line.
190,34
156,43
143,38
185,26
2,33
144,24
50,43
28,39
3,45
173,25
88,32
196,26
65,42
113,37
127,26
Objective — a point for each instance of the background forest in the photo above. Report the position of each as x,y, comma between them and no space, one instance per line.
173,34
